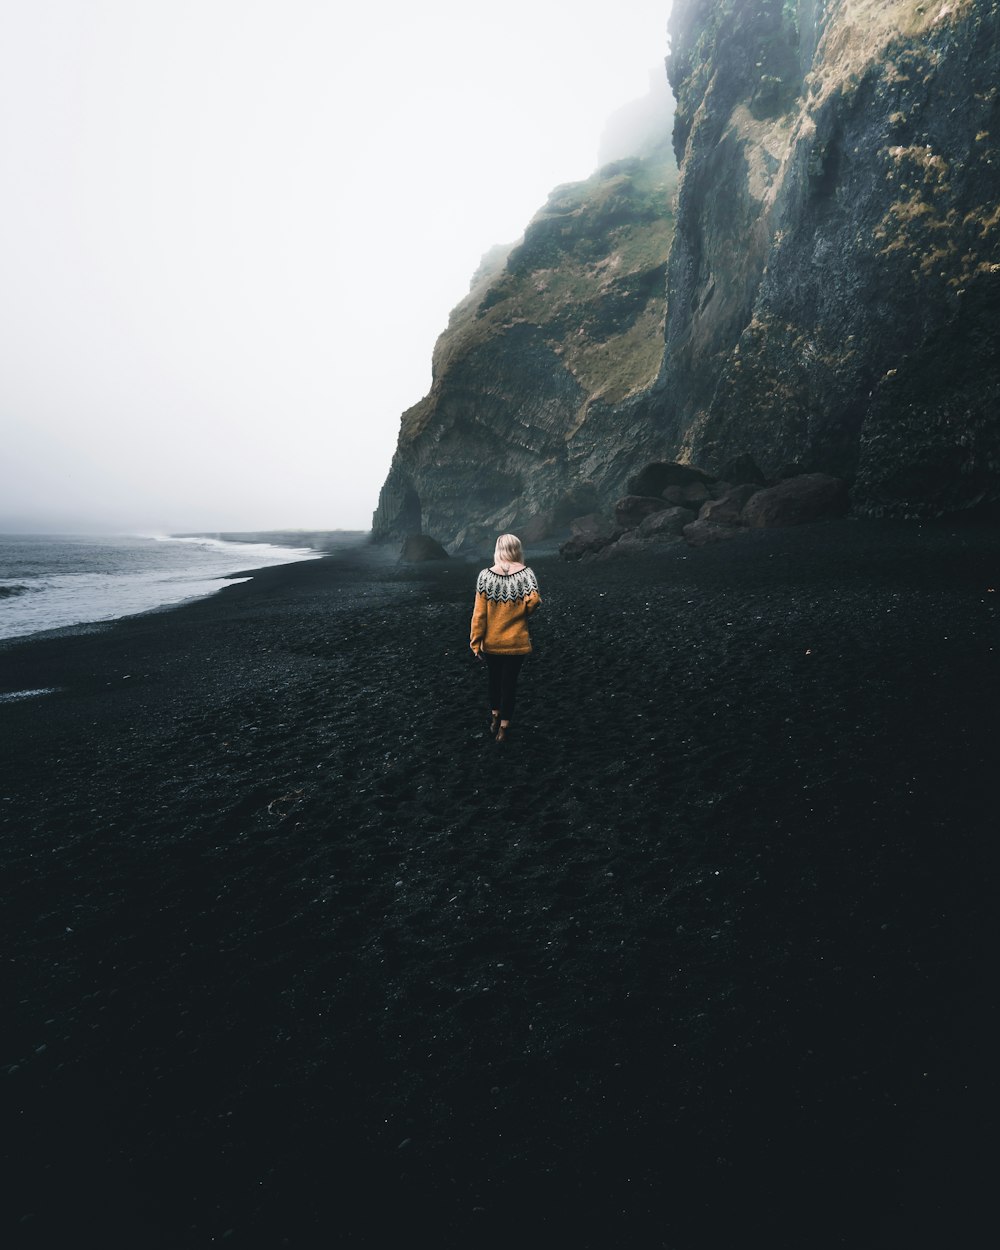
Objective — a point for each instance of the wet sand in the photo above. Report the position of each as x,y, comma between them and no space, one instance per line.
296,955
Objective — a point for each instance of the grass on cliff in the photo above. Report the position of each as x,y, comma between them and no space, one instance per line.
868,27
925,225
596,296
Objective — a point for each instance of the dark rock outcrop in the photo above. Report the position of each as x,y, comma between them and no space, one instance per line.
796,501
728,508
666,525
702,532
581,545
692,496
632,510
420,547
590,534
718,490
592,525
627,545
742,470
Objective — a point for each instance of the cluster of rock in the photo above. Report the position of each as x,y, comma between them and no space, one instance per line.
677,502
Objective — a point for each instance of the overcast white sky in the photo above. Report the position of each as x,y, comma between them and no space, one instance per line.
231,230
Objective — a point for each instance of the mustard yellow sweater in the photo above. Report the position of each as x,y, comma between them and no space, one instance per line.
504,601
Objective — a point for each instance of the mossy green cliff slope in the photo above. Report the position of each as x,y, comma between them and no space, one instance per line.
544,368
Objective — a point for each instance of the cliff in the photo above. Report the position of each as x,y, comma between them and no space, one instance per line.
831,299
540,382
834,285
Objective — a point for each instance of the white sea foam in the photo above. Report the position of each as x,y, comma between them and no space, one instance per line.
14,695
69,581
269,552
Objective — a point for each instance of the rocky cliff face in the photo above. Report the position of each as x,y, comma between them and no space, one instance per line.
541,379
832,292
834,285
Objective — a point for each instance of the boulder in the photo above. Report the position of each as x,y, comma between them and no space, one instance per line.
691,496
655,478
665,526
633,510
699,533
418,547
593,525
627,545
582,545
727,510
796,501
742,470
789,470
573,548
720,488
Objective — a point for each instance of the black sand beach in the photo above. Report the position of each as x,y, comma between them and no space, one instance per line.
297,956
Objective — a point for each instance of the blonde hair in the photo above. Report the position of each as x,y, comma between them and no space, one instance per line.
508,550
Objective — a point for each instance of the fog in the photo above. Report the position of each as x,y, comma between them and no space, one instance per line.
231,230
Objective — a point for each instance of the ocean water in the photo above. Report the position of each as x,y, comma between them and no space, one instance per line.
52,581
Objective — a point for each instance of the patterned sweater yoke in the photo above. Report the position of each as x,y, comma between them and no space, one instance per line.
506,587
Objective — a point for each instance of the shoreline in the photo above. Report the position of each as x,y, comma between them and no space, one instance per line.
703,955
345,541
226,581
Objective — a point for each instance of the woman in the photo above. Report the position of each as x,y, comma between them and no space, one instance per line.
506,595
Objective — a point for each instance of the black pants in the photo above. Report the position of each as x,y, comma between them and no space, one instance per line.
504,670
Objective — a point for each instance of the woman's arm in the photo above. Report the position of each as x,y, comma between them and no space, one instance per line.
533,600
478,629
